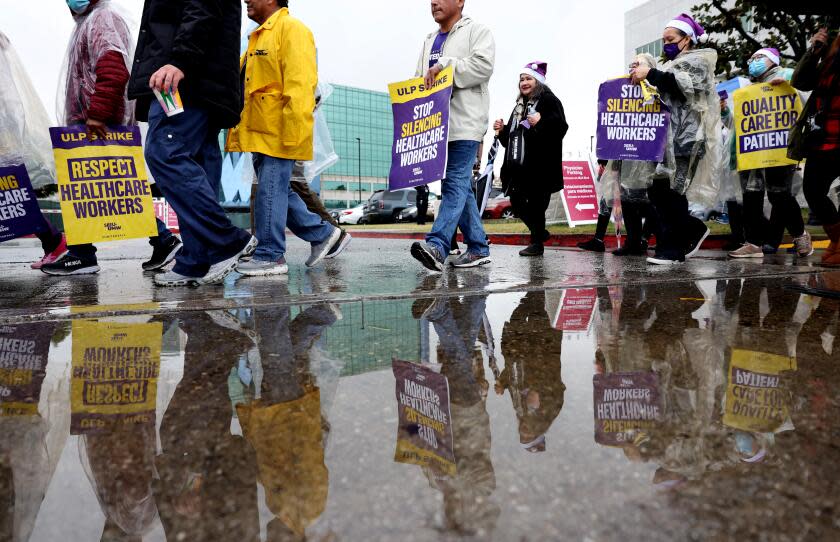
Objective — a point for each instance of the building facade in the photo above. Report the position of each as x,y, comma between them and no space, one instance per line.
361,126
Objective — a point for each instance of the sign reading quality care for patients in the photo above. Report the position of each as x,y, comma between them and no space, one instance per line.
19,211
104,190
632,122
764,115
421,131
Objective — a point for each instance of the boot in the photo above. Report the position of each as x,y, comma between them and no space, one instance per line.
596,244
832,253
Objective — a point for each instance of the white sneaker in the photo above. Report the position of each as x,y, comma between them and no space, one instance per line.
171,279
260,268
803,245
219,271
747,250
659,260
320,251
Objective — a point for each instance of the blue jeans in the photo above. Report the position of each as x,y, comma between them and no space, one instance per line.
278,206
458,208
184,156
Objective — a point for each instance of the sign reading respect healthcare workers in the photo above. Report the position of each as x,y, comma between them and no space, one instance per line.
19,211
421,131
115,372
632,123
104,190
764,115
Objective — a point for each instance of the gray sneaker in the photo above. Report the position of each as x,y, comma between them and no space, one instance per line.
261,268
219,271
470,259
320,251
171,279
427,255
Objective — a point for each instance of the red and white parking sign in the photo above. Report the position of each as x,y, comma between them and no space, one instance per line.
580,198
166,214
576,309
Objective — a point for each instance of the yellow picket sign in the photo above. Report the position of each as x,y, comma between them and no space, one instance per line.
764,115
103,186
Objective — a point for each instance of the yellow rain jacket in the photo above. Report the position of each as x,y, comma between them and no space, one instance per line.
280,79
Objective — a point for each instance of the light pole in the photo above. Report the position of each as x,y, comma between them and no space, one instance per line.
359,140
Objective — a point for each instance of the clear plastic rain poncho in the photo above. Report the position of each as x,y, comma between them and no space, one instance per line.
730,185
693,152
97,32
24,125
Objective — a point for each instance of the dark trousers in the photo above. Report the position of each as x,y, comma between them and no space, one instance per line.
49,236
820,171
422,203
676,225
530,206
313,202
736,222
635,211
777,182
184,157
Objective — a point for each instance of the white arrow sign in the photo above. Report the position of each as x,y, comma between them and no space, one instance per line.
585,206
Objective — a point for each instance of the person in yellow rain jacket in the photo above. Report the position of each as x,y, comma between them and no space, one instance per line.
279,76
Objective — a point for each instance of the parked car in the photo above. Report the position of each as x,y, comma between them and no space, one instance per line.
385,207
351,216
410,213
499,208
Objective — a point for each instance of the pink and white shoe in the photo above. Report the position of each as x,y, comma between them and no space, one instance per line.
53,256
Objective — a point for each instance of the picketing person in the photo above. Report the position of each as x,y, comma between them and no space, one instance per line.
192,47
96,74
687,84
816,137
776,182
277,126
470,49
536,126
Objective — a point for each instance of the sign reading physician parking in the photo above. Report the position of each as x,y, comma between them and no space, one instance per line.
103,186
580,198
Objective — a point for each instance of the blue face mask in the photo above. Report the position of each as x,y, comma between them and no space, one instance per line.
78,6
757,68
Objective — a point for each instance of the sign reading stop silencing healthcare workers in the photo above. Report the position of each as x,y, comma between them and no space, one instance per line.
627,406
764,115
580,198
104,190
19,211
421,131
424,435
115,372
631,124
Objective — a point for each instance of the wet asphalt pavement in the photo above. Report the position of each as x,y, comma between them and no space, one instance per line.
571,397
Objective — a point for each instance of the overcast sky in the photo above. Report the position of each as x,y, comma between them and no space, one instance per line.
370,43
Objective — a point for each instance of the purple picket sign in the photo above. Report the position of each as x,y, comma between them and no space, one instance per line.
629,129
19,211
421,133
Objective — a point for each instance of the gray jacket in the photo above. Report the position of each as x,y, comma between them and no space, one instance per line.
471,51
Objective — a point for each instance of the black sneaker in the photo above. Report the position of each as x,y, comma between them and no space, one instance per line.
163,254
593,245
71,265
427,255
339,247
701,231
532,250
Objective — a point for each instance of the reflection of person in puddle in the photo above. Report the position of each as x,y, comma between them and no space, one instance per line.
281,417
120,466
532,350
206,487
26,465
467,507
